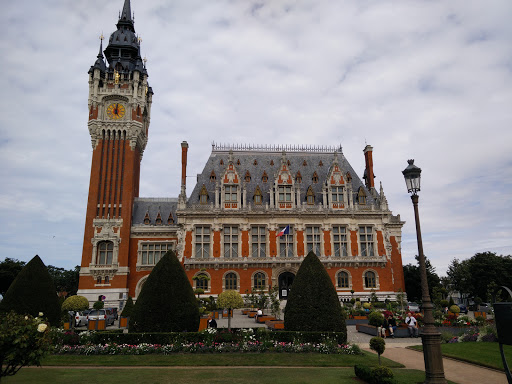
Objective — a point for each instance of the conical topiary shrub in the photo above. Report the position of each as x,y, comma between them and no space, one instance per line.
313,304
32,292
166,302
128,307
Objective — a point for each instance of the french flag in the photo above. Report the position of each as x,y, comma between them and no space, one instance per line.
284,231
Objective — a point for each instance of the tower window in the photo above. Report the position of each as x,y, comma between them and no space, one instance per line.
105,253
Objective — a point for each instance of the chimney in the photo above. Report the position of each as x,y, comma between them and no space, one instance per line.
368,172
184,150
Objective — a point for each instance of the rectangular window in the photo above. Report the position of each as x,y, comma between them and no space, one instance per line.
339,236
337,194
202,242
151,253
230,194
285,194
286,244
313,240
230,241
258,241
366,240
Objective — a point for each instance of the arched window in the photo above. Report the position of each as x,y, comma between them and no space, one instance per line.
231,281
98,280
105,253
343,279
107,280
259,280
370,280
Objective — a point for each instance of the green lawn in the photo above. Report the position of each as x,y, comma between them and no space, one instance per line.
194,375
228,359
485,354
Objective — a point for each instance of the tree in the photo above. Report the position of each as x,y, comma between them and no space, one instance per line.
474,275
230,300
128,307
9,269
32,292
313,303
166,302
65,280
275,303
412,279
75,303
378,345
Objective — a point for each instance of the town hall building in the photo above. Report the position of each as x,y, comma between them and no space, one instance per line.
254,214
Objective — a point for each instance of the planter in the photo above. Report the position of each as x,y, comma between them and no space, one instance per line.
252,314
275,324
203,323
483,314
264,318
96,325
123,322
225,313
66,326
360,317
245,311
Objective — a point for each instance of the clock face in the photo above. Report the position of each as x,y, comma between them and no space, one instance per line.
115,111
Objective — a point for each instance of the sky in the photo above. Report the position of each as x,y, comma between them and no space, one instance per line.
423,80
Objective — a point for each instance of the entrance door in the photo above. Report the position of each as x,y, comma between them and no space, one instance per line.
285,284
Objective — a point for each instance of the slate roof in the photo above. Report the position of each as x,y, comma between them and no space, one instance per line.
165,206
263,159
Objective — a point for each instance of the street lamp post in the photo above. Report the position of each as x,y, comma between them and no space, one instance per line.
430,337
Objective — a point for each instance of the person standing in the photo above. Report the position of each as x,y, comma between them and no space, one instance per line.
211,322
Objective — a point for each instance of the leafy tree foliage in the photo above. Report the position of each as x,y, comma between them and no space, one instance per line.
166,302
230,300
32,292
412,279
9,269
378,344
477,274
64,280
75,303
313,303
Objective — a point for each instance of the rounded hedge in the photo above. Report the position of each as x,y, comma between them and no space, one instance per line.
33,291
166,302
376,318
454,309
75,303
313,303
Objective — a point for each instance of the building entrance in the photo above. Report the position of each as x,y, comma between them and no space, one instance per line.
285,284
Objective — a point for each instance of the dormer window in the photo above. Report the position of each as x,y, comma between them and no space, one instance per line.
170,220
320,164
361,197
284,194
255,162
247,177
310,196
147,220
221,162
213,177
304,163
337,194
230,194
257,196
315,177
298,178
271,162
203,196
238,162
264,178
158,220
288,162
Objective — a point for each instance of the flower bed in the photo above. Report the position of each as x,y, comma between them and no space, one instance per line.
207,341
245,347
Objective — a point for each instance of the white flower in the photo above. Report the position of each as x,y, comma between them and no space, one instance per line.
26,317
42,327
40,314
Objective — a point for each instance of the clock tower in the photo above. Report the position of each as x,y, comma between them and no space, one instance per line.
119,114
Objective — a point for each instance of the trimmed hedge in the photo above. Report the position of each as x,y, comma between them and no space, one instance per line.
222,336
32,292
166,302
377,375
313,303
